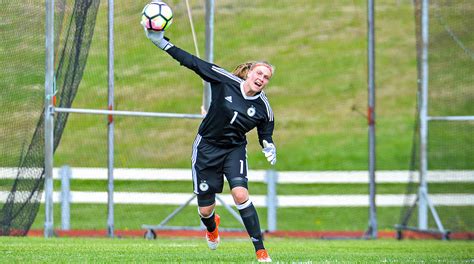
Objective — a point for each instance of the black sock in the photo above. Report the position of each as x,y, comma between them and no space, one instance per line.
209,222
252,224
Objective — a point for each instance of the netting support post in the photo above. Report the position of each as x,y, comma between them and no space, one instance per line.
49,120
372,230
110,124
209,50
423,188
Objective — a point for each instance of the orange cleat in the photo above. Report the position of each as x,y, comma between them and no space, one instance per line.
213,237
262,256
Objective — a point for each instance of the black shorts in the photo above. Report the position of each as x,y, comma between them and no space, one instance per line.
210,163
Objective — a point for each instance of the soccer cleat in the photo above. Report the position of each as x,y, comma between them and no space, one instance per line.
213,237
262,256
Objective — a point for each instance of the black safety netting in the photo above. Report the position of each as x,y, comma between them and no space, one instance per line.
22,97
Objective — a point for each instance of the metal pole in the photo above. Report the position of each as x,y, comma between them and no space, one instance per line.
49,120
371,117
423,189
65,173
206,100
272,202
125,113
110,125
451,118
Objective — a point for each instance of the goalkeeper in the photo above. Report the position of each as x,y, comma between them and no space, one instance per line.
238,105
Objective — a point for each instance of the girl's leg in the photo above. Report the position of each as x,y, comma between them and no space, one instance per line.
249,216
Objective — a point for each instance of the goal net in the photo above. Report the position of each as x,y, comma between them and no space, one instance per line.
22,97
450,142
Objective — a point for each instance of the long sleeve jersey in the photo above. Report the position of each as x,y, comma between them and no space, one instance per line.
232,113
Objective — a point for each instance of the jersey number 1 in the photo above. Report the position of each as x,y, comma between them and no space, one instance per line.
234,117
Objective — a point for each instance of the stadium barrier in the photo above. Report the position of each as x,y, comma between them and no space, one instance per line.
271,200
281,177
289,177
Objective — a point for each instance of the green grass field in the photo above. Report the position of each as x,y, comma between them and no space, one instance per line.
164,250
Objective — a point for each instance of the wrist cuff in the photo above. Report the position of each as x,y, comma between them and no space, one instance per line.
165,44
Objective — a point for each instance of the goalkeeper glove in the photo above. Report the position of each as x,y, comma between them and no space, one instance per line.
269,150
158,38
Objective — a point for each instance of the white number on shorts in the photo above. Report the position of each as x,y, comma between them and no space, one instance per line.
241,167
235,116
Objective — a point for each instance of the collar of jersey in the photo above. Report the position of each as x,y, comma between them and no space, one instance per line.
245,96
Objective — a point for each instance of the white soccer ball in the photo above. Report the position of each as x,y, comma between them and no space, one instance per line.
157,16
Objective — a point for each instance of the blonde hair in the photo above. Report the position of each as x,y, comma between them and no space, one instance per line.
243,69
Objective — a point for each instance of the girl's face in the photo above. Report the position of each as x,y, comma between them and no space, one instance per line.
258,78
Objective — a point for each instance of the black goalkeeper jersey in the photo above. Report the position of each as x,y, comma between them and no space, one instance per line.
231,114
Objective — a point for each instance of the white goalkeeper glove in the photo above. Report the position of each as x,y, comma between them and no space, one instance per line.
269,150
158,38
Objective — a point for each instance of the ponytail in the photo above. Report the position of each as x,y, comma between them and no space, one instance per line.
242,70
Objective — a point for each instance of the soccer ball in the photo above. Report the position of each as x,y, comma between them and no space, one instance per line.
157,16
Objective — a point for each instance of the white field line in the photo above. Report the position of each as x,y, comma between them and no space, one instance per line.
382,200
256,175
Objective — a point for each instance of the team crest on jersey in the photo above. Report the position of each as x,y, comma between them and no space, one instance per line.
203,186
251,111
